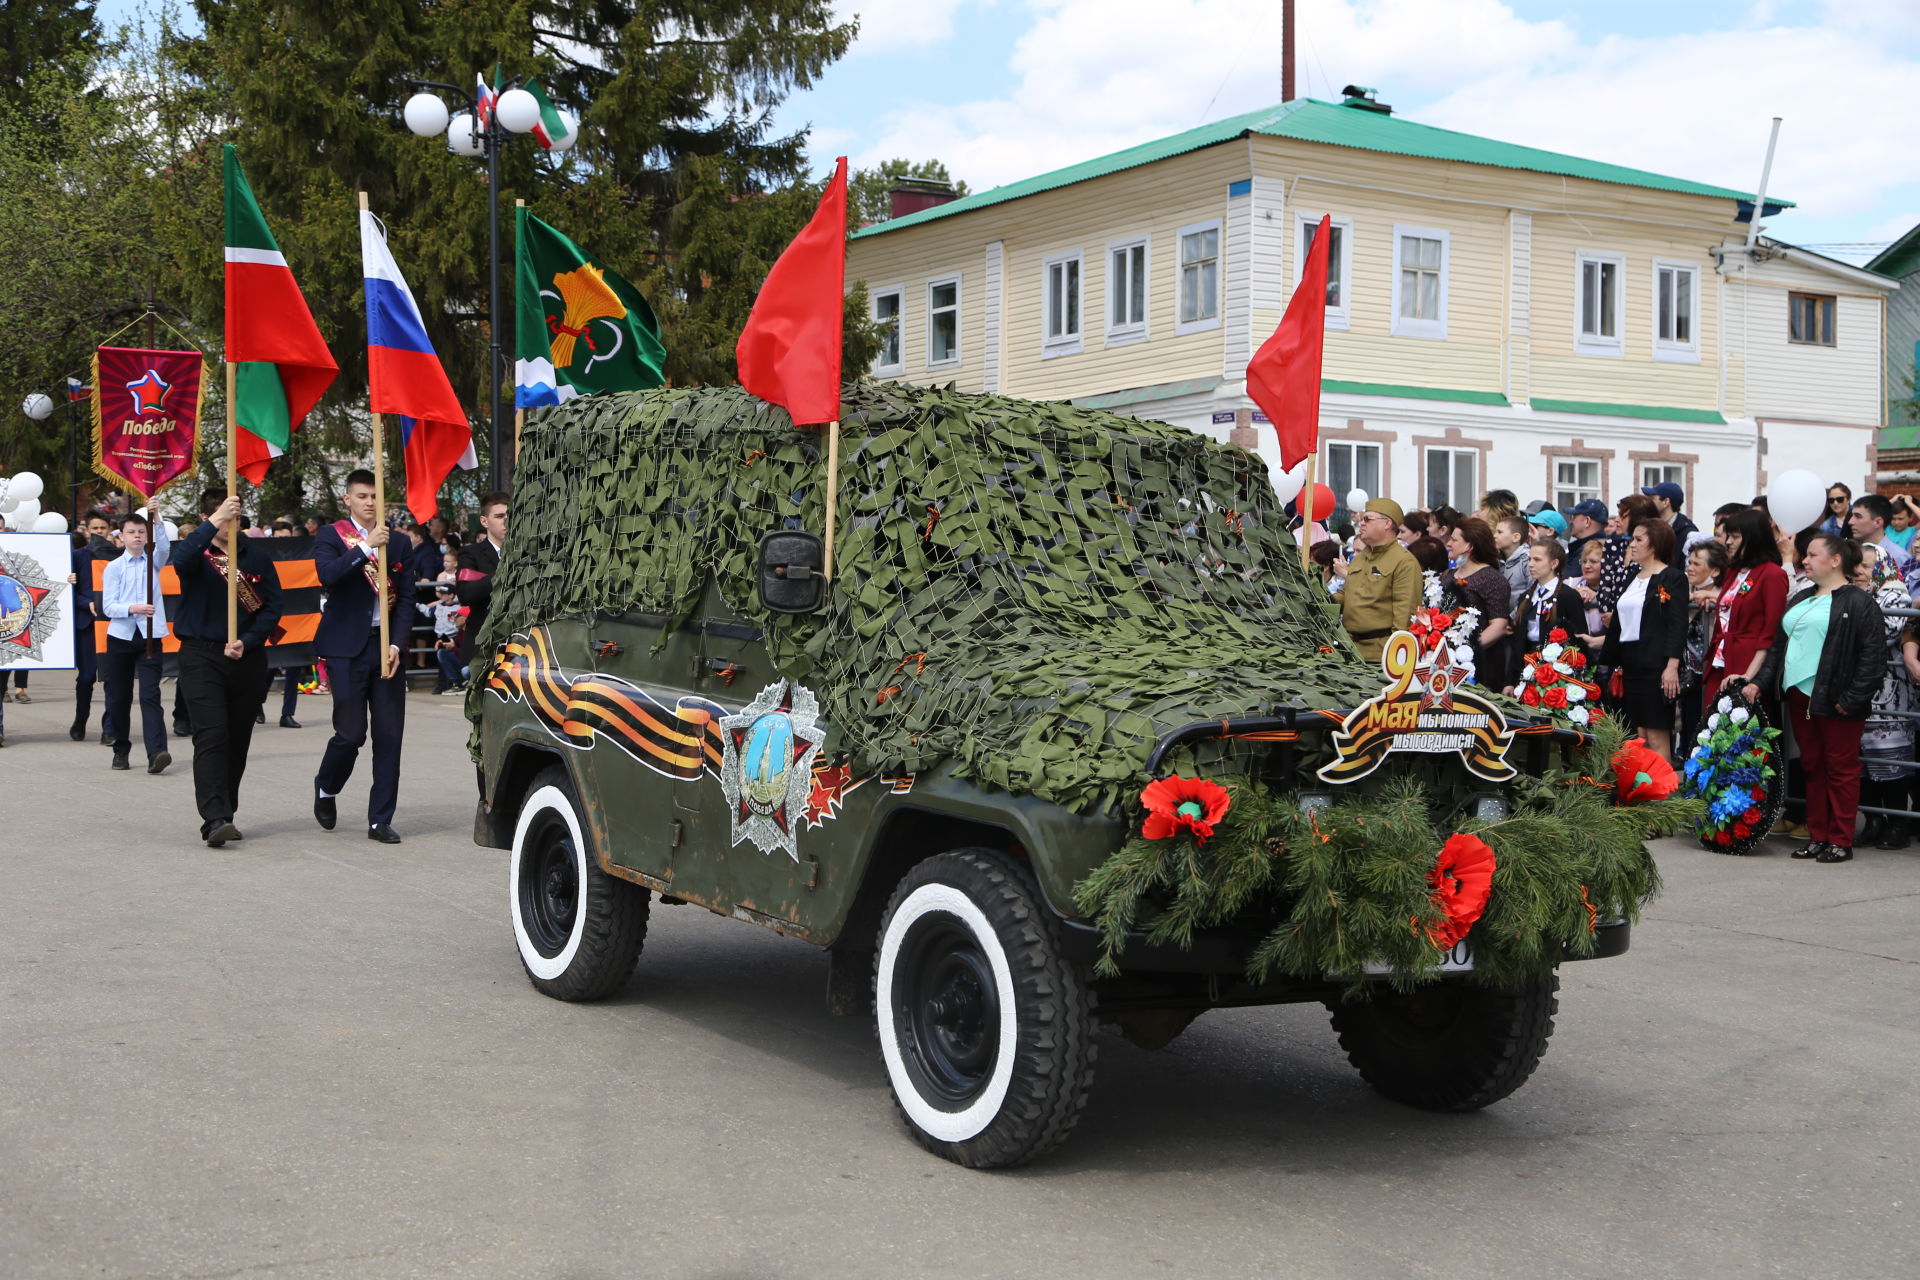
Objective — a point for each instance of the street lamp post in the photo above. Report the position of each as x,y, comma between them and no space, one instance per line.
514,111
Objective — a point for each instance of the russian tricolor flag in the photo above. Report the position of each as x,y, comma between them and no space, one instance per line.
404,377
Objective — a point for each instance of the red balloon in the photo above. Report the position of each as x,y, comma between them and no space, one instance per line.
1322,503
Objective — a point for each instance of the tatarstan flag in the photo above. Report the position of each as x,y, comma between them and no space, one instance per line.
283,365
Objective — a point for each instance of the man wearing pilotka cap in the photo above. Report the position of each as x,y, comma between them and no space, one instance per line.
1383,583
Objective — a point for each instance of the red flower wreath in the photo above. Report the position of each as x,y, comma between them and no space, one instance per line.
1183,804
1641,774
1462,879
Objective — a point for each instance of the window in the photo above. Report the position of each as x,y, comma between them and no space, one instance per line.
1676,292
1353,466
1575,480
1453,478
886,320
1597,295
1199,277
1062,306
1338,264
1810,318
943,321
1419,282
1126,292
1652,473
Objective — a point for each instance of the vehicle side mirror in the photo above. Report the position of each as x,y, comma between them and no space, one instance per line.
790,580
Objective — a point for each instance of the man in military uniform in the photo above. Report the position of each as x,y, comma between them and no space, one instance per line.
1383,582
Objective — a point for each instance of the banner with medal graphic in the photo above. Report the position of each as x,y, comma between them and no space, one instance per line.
1426,707
36,602
146,416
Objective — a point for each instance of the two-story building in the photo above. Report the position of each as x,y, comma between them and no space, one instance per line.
1497,315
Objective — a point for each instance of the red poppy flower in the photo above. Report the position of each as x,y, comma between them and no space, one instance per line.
1640,774
1556,698
1558,635
1462,879
1183,804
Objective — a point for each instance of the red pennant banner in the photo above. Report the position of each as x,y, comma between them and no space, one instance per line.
146,416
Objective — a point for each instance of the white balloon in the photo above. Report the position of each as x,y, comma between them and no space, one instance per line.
1357,499
37,406
573,130
463,139
24,514
517,110
50,522
1796,499
1287,484
426,115
26,485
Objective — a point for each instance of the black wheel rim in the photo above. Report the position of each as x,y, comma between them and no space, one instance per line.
549,885
946,1011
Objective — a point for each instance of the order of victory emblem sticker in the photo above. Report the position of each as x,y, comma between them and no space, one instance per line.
29,608
767,772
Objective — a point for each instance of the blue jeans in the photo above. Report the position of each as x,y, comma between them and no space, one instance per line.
451,672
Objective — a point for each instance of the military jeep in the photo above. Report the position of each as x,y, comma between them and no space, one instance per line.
1033,610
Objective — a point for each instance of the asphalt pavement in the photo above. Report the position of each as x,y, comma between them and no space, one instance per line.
312,1055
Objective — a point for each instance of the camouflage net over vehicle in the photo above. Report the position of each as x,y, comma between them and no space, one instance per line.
1034,591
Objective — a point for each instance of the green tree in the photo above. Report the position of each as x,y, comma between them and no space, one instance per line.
42,43
868,200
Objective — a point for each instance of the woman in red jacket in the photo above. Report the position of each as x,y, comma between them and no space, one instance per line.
1753,596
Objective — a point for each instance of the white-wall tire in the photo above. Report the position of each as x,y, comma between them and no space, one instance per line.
985,1031
579,930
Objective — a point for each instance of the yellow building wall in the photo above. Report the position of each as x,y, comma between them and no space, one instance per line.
910,260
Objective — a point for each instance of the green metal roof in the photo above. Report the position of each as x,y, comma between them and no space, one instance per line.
1310,120
1898,258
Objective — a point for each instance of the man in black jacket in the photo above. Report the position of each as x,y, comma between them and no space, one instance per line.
222,681
479,561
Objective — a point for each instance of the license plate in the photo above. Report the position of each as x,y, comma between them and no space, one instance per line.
1456,959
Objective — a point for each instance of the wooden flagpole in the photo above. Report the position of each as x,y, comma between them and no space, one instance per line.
1306,511
519,414
833,493
379,507
233,531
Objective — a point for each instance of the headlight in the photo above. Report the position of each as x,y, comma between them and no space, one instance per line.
1491,808
1311,800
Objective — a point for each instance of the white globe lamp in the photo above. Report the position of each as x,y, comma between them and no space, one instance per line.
463,139
573,131
518,111
37,406
426,115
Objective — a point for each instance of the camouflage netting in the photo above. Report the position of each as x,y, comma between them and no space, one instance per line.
1033,590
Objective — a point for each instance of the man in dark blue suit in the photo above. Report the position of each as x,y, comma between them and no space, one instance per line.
367,684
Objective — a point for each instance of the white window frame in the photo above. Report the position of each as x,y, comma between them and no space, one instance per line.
1579,492
1653,473
899,295
1408,326
1132,331
1471,496
1354,450
1664,348
1339,317
959,349
1587,344
1065,343
1206,323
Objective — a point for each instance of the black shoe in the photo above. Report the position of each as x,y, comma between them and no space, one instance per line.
120,762
383,833
218,833
106,738
1892,836
288,722
1872,829
159,763
181,729
1818,849
79,731
260,717
1834,853
324,810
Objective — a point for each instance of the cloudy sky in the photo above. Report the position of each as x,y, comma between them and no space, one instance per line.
1003,89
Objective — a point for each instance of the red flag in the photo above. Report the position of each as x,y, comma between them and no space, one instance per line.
789,353
1284,375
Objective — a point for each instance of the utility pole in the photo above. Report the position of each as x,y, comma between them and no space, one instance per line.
1286,50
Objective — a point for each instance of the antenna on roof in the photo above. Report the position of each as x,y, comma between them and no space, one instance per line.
1286,51
1760,196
